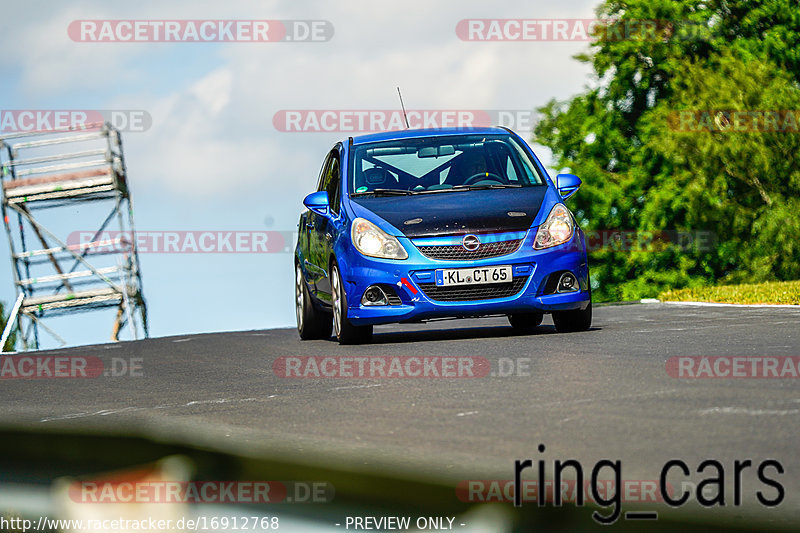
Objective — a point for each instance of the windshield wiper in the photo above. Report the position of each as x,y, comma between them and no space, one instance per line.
457,188
462,188
493,186
384,192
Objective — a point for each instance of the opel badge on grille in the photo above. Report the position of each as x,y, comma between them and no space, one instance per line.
470,243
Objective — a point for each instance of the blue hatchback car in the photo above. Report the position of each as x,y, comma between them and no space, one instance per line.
414,225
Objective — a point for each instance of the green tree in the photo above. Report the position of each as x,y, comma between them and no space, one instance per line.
644,171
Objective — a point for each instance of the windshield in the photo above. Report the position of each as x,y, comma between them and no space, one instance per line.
442,163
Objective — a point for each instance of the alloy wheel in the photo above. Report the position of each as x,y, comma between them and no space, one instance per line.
299,297
337,301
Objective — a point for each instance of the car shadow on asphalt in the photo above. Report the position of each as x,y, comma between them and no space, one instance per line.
482,332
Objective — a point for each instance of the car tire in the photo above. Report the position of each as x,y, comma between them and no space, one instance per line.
525,321
312,323
571,321
345,331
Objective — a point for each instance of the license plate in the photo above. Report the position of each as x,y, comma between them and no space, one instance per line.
473,276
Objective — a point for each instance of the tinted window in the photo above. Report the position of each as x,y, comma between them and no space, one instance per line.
332,183
442,162
331,178
323,172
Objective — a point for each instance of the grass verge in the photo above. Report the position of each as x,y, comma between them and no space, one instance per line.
771,292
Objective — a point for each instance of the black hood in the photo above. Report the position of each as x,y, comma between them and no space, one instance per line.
459,213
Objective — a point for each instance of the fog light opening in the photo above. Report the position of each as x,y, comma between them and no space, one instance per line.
567,283
374,295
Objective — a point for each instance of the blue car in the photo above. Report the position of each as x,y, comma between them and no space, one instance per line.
414,225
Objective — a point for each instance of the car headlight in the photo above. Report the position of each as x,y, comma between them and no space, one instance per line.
370,240
557,229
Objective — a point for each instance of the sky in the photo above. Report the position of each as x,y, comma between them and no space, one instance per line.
214,157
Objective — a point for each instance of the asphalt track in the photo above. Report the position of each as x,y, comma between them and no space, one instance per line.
604,393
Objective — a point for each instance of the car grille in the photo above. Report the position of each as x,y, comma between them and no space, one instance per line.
465,293
456,252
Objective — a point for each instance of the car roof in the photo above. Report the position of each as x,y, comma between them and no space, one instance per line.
419,133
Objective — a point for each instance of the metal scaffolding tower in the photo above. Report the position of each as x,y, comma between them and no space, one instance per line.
55,182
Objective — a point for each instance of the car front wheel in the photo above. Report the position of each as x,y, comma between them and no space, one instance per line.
345,331
525,321
312,323
577,320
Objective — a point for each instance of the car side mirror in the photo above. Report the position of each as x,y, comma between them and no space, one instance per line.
317,202
567,185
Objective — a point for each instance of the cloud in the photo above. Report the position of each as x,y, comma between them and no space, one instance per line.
50,63
214,91
212,129
212,158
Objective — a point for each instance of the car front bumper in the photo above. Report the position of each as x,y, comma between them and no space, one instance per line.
413,281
